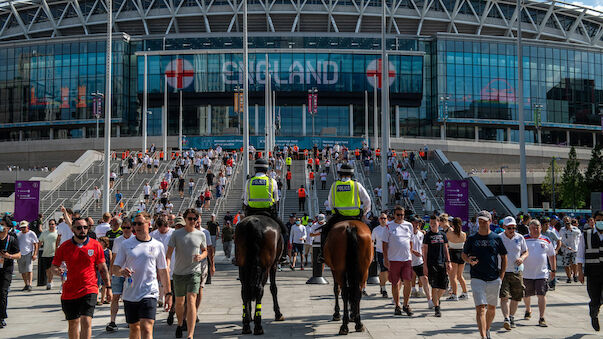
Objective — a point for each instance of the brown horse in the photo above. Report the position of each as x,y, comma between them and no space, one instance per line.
258,246
349,252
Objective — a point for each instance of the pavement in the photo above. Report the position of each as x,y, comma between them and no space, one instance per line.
308,310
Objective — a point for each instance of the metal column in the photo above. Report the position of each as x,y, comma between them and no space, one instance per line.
108,80
522,136
145,107
246,95
384,110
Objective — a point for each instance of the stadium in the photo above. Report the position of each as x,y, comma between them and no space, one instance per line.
451,63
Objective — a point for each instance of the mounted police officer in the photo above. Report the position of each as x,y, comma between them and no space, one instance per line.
590,256
348,199
260,196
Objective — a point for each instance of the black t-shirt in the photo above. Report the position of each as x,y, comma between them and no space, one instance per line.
227,218
486,248
212,227
436,256
9,244
523,229
210,178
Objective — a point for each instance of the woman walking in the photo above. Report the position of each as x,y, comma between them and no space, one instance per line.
456,240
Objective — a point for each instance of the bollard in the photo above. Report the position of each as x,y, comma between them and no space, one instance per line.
317,277
373,278
41,272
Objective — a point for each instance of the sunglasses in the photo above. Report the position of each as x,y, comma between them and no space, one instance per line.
138,223
126,228
399,215
382,218
79,228
511,228
191,218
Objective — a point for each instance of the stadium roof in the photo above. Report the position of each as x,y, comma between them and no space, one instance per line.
541,20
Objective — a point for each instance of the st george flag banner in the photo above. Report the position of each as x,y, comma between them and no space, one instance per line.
27,200
456,199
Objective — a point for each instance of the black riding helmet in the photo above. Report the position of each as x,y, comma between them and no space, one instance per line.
261,165
346,170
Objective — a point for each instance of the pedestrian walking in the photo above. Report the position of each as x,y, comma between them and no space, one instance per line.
377,235
436,263
9,252
28,245
297,237
227,236
418,262
570,238
456,241
117,282
590,257
48,239
301,198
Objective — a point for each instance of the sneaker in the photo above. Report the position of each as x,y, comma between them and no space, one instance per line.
488,336
507,324
463,296
178,332
24,288
453,297
111,327
170,318
569,281
421,294
364,294
437,312
292,268
184,326
407,310
542,323
398,311
29,288
430,304
302,268
512,321
48,287
160,303
384,294
527,315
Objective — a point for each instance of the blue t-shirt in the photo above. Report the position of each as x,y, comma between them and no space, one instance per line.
486,248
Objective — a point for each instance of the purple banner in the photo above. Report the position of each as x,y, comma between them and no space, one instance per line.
456,199
27,200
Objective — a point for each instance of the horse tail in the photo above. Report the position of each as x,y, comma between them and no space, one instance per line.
352,263
253,238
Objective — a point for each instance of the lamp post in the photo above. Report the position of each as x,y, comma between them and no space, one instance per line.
246,94
107,149
97,98
444,102
538,120
502,169
553,180
523,187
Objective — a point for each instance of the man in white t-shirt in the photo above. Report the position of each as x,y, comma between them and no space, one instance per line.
147,192
28,245
397,257
377,236
96,195
536,273
163,234
102,228
570,238
417,262
512,284
439,187
117,282
297,237
140,259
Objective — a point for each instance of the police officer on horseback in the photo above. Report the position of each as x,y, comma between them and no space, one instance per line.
348,199
261,195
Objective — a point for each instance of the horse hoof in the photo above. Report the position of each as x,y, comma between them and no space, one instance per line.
359,328
343,330
246,329
258,331
279,318
336,317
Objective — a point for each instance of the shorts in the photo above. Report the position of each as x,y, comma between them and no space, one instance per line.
485,292
45,263
455,256
298,248
148,165
437,277
213,240
146,197
418,270
75,308
400,270
111,179
143,309
117,284
512,286
25,263
204,274
382,267
189,283
568,258
535,287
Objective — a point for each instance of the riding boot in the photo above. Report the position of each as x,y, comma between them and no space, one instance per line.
323,239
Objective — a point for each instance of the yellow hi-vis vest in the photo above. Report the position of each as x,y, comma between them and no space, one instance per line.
288,161
305,220
345,198
259,192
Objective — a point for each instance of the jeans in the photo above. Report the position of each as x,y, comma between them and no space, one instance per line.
227,248
6,276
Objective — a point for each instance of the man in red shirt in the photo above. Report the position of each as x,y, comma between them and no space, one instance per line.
82,256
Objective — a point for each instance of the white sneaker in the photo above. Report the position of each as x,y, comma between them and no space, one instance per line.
453,297
463,296
430,304
421,294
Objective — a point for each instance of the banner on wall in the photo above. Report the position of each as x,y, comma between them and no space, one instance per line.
27,200
456,199
236,142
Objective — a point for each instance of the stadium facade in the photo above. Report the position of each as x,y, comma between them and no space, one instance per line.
452,62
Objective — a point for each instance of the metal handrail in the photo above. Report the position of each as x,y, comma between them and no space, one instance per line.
425,187
220,201
376,206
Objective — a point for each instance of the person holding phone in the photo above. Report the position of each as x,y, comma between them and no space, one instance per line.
481,251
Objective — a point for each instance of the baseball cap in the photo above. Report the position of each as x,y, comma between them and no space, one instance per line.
412,218
179,221
509,221
23,223
485,215
321,217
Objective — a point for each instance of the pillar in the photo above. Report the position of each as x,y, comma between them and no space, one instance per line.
257,119
351,120
397,117
304,119
531,195
443,132
594,139
567,138
51,134
208,120
21,135
117,131
539,136
476,129
83,132
508,135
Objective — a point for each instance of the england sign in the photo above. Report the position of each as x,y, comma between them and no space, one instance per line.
179,73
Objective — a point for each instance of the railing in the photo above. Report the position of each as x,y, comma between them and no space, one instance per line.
376,206
161,173
236,172
428,190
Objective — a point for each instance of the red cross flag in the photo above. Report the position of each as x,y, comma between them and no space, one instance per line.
179,73
375,68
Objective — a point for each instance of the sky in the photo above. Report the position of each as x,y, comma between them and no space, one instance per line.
596,4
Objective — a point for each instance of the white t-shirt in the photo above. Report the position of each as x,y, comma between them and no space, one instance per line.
26,242
398,238
101,229
147,189
65,232
323,176
164,239
298,232
535,265
96,194
417,245
570,238
144,258
515,247
439,185
377,235
315,229
308,237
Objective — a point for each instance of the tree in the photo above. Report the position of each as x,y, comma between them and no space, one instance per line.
593,177
547,183
573,190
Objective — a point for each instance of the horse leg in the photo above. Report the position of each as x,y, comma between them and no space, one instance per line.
245,294
336,315
257,319
345,294
278,316
355,304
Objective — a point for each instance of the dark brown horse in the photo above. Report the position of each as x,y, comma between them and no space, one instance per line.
349,252
258,246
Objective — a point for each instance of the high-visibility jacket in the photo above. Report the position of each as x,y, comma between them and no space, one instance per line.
259,192
404,154
310,162
288,175
311,175
304,220
301,193
288,161
345,198
305,152
356,152
295,149
378,152
317,161
394,153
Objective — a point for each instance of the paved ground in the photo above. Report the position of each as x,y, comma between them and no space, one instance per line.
308,310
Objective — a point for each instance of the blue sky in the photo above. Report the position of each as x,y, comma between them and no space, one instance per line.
597,4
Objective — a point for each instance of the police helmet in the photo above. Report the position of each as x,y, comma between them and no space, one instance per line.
261,165
346,170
